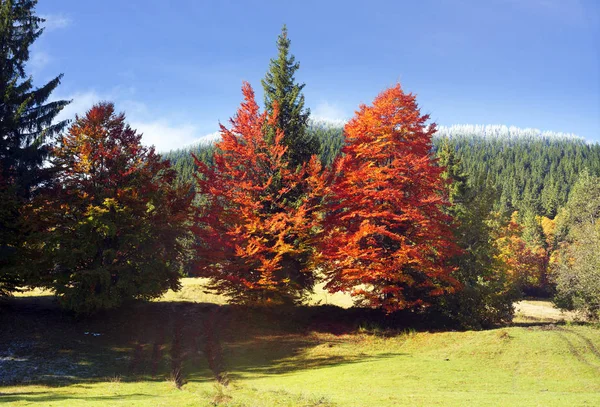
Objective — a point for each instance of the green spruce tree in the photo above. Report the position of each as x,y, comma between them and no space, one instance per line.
26,126
280,87
486,296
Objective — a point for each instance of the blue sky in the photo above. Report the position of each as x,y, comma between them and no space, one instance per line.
176,67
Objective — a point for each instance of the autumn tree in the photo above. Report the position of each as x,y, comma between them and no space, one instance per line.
281,90
386,238
526,264
27,124
540,242
254,241
109,230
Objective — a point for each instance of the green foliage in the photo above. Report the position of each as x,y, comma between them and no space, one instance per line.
281,89
182,160
487,294
583,206
533,234
330,139
578,272
538,243
111,230
26,126
532,171
578,263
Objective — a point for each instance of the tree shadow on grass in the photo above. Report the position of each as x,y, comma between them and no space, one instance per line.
257,342
178,341
41,344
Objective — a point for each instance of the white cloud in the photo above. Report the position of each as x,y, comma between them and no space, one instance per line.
329,113
164,134
55,21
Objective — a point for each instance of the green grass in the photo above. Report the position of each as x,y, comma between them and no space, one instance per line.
181,351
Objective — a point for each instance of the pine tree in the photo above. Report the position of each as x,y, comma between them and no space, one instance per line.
280,87
26,127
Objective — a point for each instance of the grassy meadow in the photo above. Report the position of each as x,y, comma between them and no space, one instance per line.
191,349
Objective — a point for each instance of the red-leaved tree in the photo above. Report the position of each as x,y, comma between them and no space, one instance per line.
385,236
254,242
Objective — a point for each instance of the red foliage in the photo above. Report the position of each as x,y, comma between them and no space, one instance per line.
254,240
386,238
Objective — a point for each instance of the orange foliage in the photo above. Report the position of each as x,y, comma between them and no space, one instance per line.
526,265
254,240
385,236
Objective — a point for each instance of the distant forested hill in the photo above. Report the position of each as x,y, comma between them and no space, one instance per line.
183,161
529,169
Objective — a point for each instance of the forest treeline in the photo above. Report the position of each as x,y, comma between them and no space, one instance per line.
455,223
529,170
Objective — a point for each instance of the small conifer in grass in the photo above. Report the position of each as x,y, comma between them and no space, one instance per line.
386,237
27,126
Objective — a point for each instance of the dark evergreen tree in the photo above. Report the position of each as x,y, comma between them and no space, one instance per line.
533,234
280,88
26,128
330,138
486,296
536,241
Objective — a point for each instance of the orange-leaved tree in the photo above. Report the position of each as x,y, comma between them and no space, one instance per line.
110,229
526,265
253,241
386,238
